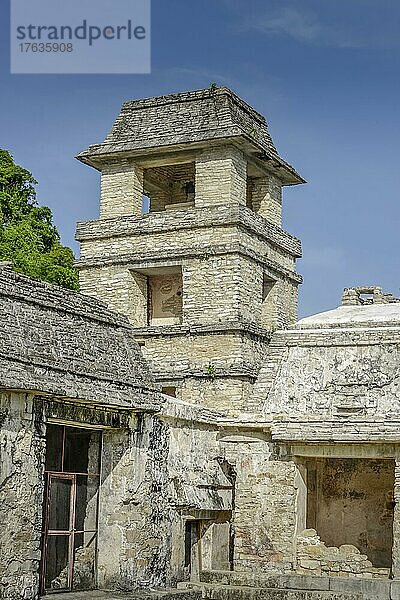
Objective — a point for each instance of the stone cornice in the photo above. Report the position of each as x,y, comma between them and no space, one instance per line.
206,329
190,218
375,335
135,261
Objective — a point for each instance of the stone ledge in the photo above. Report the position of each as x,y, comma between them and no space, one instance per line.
190,218
217,329
148,260
242,592
365,588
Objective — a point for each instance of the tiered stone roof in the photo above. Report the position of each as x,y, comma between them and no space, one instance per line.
187,119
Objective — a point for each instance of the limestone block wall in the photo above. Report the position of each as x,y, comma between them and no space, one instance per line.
215,289
265,503
227,394
222,288
215,369
121,189
123,290
189,232
221,173
22,446
279,310
180,353
265,198
223,262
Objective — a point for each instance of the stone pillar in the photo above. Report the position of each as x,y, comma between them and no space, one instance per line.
221,174
266,198
121,189
396,522
265,505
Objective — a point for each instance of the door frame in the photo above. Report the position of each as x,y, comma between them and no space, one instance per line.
71,533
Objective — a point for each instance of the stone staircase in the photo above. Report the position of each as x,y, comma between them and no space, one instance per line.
234,585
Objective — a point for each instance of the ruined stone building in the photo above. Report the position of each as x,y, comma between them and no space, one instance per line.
174,426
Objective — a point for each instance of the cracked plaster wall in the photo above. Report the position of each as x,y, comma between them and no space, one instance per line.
22,446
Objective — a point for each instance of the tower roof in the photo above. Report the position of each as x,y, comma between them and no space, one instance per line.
187,120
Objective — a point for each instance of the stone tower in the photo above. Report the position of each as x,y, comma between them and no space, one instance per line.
189,243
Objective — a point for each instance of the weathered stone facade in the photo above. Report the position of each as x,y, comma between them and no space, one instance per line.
175,426
237,265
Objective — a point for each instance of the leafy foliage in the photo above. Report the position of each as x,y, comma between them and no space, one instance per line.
28,237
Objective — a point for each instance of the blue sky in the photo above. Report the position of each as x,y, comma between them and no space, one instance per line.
324,72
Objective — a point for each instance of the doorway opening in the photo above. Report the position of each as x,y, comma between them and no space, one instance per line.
70,509
349,501
208,545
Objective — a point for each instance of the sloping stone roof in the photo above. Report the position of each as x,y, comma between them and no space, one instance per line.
370,315
59,342
334,377
185,118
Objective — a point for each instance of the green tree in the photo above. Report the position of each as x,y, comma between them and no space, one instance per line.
28,237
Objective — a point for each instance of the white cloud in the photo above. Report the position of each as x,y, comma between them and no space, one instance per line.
315,29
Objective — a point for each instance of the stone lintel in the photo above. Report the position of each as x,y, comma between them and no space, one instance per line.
347,450
340,431
60,410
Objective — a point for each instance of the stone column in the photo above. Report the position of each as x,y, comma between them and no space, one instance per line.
221,174
396,522
121,189
265,505
267,198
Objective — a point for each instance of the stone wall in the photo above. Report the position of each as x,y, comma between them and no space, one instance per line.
265,503
135,517
265,198
154,479
338,375
215,225
22,451
315,558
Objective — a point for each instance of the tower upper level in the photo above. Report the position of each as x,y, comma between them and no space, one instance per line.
191,190
189,120
194,149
